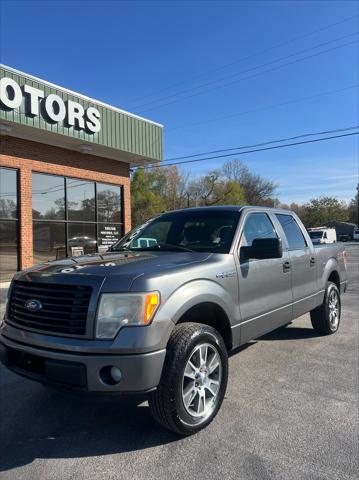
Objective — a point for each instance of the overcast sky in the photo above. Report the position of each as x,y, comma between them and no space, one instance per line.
216,74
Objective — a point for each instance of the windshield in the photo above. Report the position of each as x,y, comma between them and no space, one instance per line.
207,231
315,234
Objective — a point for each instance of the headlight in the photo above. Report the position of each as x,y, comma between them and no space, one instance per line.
118,310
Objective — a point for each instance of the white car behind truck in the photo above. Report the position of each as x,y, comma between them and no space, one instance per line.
322,235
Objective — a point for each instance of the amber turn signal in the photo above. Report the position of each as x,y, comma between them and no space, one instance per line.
152,300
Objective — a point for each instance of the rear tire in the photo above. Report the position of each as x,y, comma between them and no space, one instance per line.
194,379
326,318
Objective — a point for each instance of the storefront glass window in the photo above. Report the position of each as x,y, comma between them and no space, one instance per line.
49,241
8,193
48,197
8,250
8,224
81,239
65,216
108,203
80,200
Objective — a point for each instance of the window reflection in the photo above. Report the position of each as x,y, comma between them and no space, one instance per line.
80,200
292,231
108,203
258,225
49,241
48,197
8,250
8,193
73,201
81,239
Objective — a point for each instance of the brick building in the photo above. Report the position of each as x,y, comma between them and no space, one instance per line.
64,171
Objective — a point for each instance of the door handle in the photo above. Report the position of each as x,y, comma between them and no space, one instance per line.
286,266
312,260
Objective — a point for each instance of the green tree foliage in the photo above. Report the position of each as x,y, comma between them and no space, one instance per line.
145,201
321,211
161,189
214,189
166,188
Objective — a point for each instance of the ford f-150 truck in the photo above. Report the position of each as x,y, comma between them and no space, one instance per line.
160,311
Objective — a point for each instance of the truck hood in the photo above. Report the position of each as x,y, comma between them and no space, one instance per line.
126,266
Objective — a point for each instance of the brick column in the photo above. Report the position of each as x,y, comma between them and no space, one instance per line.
127,205
25,217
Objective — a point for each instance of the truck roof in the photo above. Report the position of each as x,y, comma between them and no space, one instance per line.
312,229
229,208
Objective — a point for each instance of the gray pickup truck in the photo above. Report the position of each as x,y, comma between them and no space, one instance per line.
160,311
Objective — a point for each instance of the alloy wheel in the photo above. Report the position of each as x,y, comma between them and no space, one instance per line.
202,381
334,310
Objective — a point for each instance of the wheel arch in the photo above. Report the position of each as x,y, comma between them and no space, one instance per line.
330,273
211,314
335,278
204,301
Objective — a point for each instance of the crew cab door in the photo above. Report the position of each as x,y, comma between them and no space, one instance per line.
303,266
265,295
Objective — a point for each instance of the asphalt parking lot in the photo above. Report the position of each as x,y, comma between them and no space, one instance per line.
291,412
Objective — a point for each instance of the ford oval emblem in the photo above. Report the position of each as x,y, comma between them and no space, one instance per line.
33,305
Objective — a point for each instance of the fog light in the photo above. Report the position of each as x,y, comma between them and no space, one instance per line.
116,374
110,375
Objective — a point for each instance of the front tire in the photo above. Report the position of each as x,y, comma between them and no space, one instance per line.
194,379
326,318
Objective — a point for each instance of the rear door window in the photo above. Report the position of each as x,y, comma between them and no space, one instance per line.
295,237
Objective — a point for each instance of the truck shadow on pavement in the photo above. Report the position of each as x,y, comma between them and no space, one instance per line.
290,333
41,423
38,423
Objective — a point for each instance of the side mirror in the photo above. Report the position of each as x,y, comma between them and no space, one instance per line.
262,248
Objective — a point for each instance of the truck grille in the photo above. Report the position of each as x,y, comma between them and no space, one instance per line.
63,307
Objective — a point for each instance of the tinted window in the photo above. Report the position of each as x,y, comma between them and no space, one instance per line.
156,232
207,231
81,237
8,249
80,200
108,203
48,197
49,241
315,234
292,231
8,193
257,225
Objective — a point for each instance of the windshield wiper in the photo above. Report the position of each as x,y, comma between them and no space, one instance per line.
120,249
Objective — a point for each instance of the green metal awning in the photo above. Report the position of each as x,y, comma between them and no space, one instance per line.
37,110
